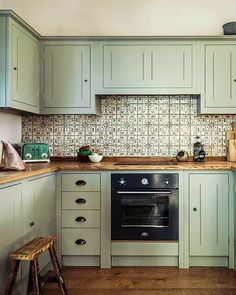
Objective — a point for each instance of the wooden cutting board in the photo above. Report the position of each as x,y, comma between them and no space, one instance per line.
231,144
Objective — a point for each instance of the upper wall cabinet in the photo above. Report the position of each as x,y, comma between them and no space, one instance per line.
19,67
218,77
147,67
67,82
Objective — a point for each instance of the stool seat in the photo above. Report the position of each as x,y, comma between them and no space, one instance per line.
33,249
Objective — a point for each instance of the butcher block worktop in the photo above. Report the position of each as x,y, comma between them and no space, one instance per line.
34,169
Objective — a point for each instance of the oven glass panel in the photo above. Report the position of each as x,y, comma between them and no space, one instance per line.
148,211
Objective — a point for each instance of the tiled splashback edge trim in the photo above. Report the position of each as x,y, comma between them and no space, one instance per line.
132,126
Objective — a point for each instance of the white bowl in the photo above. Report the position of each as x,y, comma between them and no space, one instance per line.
95,158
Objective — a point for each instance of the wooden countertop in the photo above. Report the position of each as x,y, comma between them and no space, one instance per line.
34,169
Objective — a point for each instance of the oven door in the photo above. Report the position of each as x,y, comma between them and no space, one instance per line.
147,215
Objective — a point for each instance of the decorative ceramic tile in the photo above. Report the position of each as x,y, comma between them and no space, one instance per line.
164,119
174,108
69,120
132,126
143,109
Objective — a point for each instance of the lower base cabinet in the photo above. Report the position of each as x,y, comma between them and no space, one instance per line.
209,199
39,214
80,223
27,211
10,228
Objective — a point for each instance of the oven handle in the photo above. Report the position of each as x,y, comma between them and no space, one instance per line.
142,192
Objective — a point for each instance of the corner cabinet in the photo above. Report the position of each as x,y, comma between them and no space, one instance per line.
211,236
218,77
158,67
67,80
10,228
19,67
27,210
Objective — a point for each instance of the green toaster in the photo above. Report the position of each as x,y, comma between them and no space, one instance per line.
33,152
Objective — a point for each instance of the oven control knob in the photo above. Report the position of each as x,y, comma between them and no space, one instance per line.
167,181
122,181
144,181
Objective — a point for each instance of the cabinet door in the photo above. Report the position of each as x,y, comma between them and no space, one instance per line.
44,209
209,199
39,212
148,66
219,93
66,76
171,66
10,228
124,66
24,69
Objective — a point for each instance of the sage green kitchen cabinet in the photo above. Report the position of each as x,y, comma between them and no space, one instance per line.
39,210
218,78
209,214
27,210
67,78
10,228
80,218
19,71
147,67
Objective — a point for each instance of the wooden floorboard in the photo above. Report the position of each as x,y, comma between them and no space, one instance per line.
146,281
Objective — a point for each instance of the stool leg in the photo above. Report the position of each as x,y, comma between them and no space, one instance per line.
34,286
57,269
12,276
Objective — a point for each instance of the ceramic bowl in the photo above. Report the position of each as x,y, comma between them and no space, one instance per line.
95,158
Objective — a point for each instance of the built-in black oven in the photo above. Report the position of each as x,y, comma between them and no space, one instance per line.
144,206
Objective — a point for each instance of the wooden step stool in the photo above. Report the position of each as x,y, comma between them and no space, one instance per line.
31,252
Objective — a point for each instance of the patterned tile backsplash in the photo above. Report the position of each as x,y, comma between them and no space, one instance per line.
132,126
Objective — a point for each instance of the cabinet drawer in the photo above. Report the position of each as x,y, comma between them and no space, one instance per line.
81,200
80,182
90,236
81,218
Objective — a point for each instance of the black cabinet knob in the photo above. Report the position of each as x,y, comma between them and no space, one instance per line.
85,80
80,219
194,209
80,201
15,68
31,223
80,182
80,242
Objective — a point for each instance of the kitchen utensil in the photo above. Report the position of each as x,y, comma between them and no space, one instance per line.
231,150
231,143
182,156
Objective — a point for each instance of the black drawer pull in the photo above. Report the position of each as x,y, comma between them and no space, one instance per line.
80,182
31,223
80,242
80,219
80,201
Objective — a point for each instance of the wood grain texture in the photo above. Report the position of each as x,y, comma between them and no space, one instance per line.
34,169
33,249
147,280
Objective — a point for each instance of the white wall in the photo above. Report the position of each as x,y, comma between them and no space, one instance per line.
10,127
125,17
116,17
